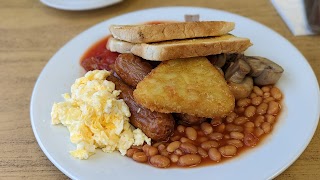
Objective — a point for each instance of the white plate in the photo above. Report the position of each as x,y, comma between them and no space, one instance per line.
289,138
77,5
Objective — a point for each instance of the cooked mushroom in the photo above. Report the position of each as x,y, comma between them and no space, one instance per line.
237,71
218,60
243,89
263,70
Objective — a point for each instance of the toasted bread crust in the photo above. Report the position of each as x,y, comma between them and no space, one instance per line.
191,47
119,46
168,31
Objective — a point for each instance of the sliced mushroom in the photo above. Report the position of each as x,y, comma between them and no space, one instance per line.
243,89
256,65
237,71
263,70
233,57
218,60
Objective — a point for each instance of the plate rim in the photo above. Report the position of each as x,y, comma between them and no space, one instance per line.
91,5
314,79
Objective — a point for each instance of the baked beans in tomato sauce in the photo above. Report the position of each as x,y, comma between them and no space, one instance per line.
214,140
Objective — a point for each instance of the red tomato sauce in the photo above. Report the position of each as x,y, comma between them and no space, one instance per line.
98,56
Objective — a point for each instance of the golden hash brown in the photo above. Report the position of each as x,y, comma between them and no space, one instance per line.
192,86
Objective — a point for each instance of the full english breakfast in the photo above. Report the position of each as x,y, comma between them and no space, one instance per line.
171,94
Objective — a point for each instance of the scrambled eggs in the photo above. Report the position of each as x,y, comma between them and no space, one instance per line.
95,117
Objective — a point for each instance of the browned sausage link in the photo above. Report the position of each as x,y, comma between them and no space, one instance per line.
131,69
157,126
186,119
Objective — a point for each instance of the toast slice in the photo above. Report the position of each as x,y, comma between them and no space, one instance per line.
147,33
192,86
116,45
187,48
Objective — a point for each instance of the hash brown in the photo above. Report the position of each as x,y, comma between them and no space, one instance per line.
192,86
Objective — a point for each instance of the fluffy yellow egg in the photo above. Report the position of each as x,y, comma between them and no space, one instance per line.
96,117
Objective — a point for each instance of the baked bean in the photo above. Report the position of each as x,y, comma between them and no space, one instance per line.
175,138
181,128
266,127
265,89
131,151
200,133
249,124
273,108
209,144
178,152
256,101
160,161
250,111
257,90
276,93
250,140
240,120
270,118
253,95
216,136
203,139
206,128
268,99
216,121
262,108
174,158
189,160
196,127
203,153
150,150
266,95
243,102
230,118
226,136
221,128
184,139
228,150
234,128
188,148
240,109
214,154
165,153
258,121
156,144
161,147
145,147
191,133
235,142
140,157
258,132
173,146
236,135
248,129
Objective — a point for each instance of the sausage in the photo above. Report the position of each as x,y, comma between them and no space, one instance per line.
131,69
157,126
189,119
